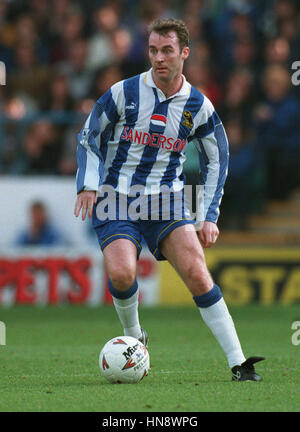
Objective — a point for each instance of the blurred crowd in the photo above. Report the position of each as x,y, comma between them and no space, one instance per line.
62,55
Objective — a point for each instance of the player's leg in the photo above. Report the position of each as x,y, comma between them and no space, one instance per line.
120,242
120,259
183,250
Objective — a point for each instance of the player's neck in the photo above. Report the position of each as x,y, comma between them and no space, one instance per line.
169,88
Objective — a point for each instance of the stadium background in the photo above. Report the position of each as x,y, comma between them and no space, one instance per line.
61,56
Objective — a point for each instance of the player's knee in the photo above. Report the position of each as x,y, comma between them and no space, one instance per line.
122,278
199,280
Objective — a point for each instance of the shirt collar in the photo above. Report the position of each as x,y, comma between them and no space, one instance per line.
184,91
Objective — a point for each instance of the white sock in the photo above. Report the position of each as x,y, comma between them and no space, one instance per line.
218,319
127,310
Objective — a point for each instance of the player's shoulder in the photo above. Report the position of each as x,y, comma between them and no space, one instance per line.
135,78
126,84
119,92
205,102
118,87
206,114
116,92
112,93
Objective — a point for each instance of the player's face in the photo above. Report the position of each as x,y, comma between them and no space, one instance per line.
165,56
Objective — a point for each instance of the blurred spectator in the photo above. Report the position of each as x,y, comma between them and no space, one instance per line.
12,109
67,164
244,55
26,33
195,26
60,10
239,95
241,26
70,29
104,79
58,96
41,232
201,52
40,12
100,50
278,130
244,187
234,36
201,75
74,68
121,41
149,10
277,50
41,149
193,7
28,77
284,9
6,35
288,28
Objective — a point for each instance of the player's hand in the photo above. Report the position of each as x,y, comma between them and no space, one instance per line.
85,201
207,233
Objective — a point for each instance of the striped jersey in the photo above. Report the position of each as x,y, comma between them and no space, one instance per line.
136,136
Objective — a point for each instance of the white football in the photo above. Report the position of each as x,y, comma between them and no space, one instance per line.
124,359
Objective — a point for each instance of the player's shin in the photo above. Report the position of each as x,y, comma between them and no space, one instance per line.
126,305
215,314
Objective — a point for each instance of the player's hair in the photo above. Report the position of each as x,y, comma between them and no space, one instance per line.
163,26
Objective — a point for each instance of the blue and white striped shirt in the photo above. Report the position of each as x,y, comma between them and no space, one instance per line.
136,136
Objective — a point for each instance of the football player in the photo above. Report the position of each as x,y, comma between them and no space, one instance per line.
135,139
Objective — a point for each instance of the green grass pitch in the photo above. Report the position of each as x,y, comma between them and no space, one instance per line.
50,361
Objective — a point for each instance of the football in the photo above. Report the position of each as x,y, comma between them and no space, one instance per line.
124,359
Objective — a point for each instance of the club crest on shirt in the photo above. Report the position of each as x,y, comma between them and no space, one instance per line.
188,119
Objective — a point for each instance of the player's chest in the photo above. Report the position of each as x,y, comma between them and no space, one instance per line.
161,118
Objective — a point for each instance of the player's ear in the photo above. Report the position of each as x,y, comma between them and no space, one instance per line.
185,53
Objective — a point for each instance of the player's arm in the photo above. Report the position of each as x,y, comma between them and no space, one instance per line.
90,161
212,144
